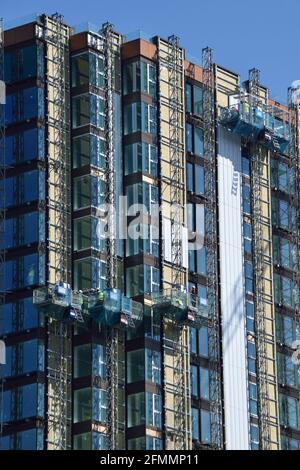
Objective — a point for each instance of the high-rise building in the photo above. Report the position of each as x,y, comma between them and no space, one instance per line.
150,257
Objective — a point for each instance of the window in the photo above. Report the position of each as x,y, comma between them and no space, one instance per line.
251,350
32,439
148,241
197,100
194,380
99,405
253,399
195,178
189,137
285,291
23,63
88,68
254,435
27,145
153,366
194,139
136,366
82,360
24,105
153,409
24,358
99,361
249,277
203,341
288,443
154,443
25,271
87,234
89,273
88,109
136,407
286,329
24,229
250,316
25,187
288,372
204,383
284,252
246,166
195,424
139,117
193,340
142,279
188,97
193,99
282,176
283,214
289,411
29,400
197,261
247,238
198,141
144,194
82,405
82,441
139,76
246,192
89,149
205,426
89,191
141,157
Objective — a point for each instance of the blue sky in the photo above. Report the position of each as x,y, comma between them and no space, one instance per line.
243,34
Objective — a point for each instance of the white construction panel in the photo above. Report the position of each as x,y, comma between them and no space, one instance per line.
232,292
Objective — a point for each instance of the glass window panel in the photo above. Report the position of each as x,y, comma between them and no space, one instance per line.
205,426
136,409
135,366
204,383
198,141
189,137
82,360
82,405
197,100
195,424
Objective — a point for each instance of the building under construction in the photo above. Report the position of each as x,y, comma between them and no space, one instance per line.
149,246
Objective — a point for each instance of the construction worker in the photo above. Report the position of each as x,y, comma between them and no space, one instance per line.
100,296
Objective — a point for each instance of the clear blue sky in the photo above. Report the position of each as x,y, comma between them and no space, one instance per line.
243,34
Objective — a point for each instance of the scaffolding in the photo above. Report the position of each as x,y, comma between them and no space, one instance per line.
115,338
175,341
294,164
58,361
263,286
211,237
2,202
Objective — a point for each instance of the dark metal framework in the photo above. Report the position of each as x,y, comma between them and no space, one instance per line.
262,263
2,202
211,244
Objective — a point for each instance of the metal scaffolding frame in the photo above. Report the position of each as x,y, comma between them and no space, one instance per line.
262,268
211,237
115,339
175,343
58,362
2,205
294,164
